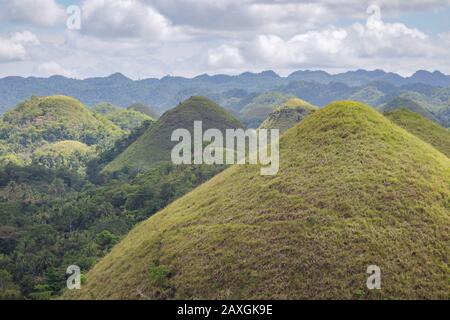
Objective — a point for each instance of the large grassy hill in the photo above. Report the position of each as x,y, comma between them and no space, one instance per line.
288,114
353,190
423,128
155,145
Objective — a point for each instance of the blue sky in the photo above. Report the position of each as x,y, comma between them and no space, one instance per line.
153,38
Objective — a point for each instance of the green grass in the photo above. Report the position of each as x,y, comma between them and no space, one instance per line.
286,116
423,128
353,190
155,145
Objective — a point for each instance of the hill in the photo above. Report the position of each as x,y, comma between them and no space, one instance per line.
142,108
423,128
155,145
126,119
42,120
353,190
287,115
399,103
261,106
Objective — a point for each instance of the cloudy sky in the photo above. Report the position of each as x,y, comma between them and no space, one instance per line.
154,38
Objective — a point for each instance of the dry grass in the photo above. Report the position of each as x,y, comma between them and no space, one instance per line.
353,189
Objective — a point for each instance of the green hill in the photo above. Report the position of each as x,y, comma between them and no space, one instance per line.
155,145
399,103
127,120
259,108
142,108
42,120
423,128
353,190
286,116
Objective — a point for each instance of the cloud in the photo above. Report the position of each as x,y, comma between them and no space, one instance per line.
125,18
15,47
344,47
32,12
51,68
225,57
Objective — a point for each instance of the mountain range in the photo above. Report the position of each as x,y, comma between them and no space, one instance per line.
233,92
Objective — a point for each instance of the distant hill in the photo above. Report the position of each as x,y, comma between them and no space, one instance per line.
126,119
403,103
230,91
444,116
423,128
261,106
155,145
288,114
42,120
353,190
142,108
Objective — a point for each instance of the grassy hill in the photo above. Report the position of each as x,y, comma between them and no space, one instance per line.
286,116
155,145
423,128
142,108
259,108
399,103
353,190
127,120
42,120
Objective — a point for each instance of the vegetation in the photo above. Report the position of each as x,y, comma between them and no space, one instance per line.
142,108
353,190
402,103
126,119
155,145
261,106
45,120
423,128
287,115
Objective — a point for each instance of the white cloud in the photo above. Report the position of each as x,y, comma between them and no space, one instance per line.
32,12
125,18
51,68
15,47
224,57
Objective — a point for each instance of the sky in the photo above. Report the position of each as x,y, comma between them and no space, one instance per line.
155,38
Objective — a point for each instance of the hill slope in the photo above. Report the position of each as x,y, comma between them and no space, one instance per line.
287,115
154,146
142,108
353,190
261,106
423,128
403,103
